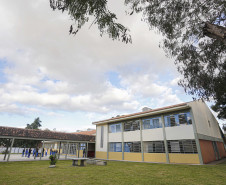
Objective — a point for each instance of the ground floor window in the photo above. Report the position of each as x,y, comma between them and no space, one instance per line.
154,147
132,147
115,147
182,146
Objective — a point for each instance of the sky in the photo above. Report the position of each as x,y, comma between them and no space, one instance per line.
71,81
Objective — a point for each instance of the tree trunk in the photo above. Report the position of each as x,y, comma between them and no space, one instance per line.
215,32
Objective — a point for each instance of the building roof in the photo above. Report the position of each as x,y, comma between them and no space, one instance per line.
92,132
43,135
145,113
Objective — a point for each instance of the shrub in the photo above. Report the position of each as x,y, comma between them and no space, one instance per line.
53,159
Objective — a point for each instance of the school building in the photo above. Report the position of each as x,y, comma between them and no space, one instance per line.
182,133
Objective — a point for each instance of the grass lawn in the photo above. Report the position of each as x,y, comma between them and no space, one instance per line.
37,172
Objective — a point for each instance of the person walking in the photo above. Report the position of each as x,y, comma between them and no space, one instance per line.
43,150
29,153
26,152
23,152
84,152
46,151
33,151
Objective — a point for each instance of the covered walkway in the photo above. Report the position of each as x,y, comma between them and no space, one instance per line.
62,144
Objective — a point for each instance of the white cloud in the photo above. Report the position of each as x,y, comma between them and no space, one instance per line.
47,68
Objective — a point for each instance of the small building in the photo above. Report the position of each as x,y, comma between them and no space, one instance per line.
182,133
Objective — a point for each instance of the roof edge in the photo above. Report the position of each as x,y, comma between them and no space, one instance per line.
145,113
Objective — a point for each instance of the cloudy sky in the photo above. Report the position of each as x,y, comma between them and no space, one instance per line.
71,81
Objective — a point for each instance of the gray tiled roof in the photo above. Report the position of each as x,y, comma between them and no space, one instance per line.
39,134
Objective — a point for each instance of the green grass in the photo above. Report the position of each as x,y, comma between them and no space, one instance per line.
37,172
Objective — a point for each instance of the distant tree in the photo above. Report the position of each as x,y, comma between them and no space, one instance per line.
35,125
194,35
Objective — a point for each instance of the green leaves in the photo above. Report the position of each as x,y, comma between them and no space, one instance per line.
80,12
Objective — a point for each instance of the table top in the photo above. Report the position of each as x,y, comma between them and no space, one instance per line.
76,158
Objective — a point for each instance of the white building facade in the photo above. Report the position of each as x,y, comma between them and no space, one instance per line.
182,133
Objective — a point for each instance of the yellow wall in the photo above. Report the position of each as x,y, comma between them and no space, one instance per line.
132,156
101,155
80,153
155,157
115,155
184,158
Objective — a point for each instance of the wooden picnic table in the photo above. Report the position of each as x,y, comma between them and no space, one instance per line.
75,161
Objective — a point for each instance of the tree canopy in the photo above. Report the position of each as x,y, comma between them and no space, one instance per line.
194,34
35,125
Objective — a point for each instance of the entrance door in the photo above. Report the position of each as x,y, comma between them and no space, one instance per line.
216,151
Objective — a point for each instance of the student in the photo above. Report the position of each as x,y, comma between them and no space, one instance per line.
37,152
43,150
46,151
26,152
23,152
34,151
84,152
29,153
51,151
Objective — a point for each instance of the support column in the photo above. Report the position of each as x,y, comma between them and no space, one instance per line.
141,139
67,148
122,140
196,137
87,148
10,149
165,141
78,144
43,146
59,150
107,141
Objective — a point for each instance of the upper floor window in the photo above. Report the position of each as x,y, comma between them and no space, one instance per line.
152,123
132,125
113,128
178,119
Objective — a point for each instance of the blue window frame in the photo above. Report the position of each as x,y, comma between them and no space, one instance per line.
132,147
113,128
178,119
115,147
151,123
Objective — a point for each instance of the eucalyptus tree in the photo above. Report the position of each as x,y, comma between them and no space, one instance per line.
194,34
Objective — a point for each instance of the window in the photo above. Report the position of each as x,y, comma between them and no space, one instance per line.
132,125
132,147
152,123
102,137
178,119
82,146
182,146
115,147
113,128
154,147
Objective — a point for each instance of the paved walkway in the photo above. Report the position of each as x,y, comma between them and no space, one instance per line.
217,162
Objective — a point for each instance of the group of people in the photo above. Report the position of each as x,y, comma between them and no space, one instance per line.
36,151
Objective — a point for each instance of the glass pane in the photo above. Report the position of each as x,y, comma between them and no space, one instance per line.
182,118
118,128
172,121
118,147
155,123
146,124
150,148
112,129
175,146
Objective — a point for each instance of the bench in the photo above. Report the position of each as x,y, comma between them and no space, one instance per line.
75,161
